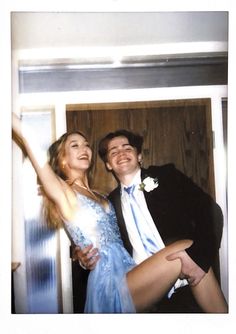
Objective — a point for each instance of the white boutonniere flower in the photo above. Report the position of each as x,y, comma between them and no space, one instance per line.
149,184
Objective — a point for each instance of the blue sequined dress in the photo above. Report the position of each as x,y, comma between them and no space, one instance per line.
107,290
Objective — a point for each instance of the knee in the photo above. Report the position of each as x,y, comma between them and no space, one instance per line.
181,245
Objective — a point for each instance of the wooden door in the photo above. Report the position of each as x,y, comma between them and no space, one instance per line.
176,131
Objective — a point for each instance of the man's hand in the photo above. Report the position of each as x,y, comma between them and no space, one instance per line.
87,256
190,270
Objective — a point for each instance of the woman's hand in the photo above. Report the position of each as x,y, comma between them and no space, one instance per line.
87,256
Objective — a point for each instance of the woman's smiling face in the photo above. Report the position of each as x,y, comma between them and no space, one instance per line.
78,154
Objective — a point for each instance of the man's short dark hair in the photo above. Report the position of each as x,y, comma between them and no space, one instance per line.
134,140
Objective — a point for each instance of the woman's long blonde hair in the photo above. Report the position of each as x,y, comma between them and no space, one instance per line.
56,153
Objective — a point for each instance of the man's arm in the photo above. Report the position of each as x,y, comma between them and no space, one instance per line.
87,257
189,270
206,218
202,222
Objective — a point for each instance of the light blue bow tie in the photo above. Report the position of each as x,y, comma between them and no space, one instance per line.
130,189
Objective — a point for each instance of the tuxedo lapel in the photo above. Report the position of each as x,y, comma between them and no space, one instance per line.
144,174
116,200
150,195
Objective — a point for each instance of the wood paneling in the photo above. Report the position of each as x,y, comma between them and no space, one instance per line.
174,131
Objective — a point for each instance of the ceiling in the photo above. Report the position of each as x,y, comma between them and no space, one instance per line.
32,30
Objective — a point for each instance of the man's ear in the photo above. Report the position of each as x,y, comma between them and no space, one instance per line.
140,158
108,166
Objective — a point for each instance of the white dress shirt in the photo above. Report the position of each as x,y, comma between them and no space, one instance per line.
139,253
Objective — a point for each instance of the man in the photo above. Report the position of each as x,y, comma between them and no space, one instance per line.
164,206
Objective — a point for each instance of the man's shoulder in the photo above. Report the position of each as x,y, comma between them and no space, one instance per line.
154,171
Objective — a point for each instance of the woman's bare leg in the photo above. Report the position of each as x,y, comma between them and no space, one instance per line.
153,278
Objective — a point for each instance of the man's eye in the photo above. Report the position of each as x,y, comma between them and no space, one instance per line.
74,145
113,153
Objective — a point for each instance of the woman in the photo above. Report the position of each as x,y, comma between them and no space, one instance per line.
116,284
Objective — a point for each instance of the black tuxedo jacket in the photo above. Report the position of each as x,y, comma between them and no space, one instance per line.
180,210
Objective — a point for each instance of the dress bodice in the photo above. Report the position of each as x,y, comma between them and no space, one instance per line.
93,224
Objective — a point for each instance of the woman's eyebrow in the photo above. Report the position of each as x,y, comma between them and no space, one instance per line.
73,141
77,141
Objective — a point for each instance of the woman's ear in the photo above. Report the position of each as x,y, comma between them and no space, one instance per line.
64,165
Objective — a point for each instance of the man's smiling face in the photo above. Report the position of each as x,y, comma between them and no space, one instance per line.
122,158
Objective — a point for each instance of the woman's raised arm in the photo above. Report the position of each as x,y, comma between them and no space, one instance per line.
54,187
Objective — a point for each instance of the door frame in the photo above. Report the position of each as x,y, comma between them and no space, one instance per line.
59,102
